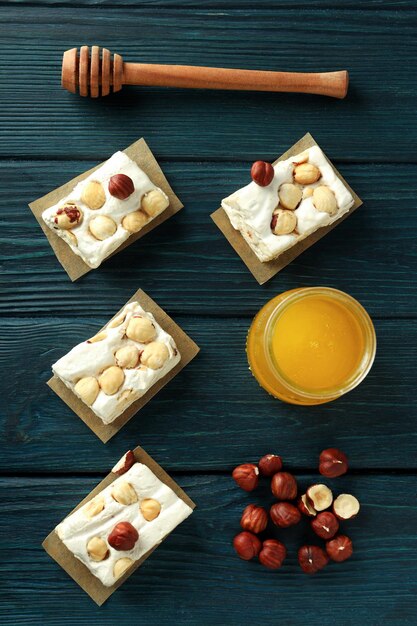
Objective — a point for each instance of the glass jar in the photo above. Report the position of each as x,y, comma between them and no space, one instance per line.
311,345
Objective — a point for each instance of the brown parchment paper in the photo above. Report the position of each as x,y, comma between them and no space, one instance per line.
263,271
72,263
186,346
77,570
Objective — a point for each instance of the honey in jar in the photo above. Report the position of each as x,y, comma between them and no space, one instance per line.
311,345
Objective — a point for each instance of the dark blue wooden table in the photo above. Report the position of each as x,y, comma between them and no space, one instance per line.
213,415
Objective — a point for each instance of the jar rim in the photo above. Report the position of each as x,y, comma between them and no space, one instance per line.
367,327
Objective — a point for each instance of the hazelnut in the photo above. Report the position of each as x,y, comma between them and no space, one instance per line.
121,566
154,355
87,389
283,222
340,548
254,518
150,509
117,321
97,549
94,507
124,464
270,464
111,380
306,173
123,536
324,200
133,222
247,545
72,238
124,493
246,476
98,337
320,497
333,463
127,356
121,186
154,202
68,216
289,196
93,195
262,173
305,507
325,525
272,554
102,227
346,506
140,329
284,486
284,514
312,559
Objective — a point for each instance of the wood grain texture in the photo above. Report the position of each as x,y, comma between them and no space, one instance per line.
195,577
372,255
213,415
365,126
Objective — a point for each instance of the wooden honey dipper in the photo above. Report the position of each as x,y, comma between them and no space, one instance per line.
95,75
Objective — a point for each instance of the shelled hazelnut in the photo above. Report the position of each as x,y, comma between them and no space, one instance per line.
127,357
150,509
289,196
133,222
68,216
140,329
319,496
94,507
93,195
97,549
88,389
154,202
306,173
101,227
111,380
346,506
121,566
154,355
124,493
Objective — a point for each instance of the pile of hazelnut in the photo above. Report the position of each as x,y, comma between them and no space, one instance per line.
290,194
289,510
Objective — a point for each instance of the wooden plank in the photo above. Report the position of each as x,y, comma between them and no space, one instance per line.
211,416
365,126
195,577
182,264
276,5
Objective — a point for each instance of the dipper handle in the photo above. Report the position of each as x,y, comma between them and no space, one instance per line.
333,84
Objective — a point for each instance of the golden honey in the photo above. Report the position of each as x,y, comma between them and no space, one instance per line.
311,345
